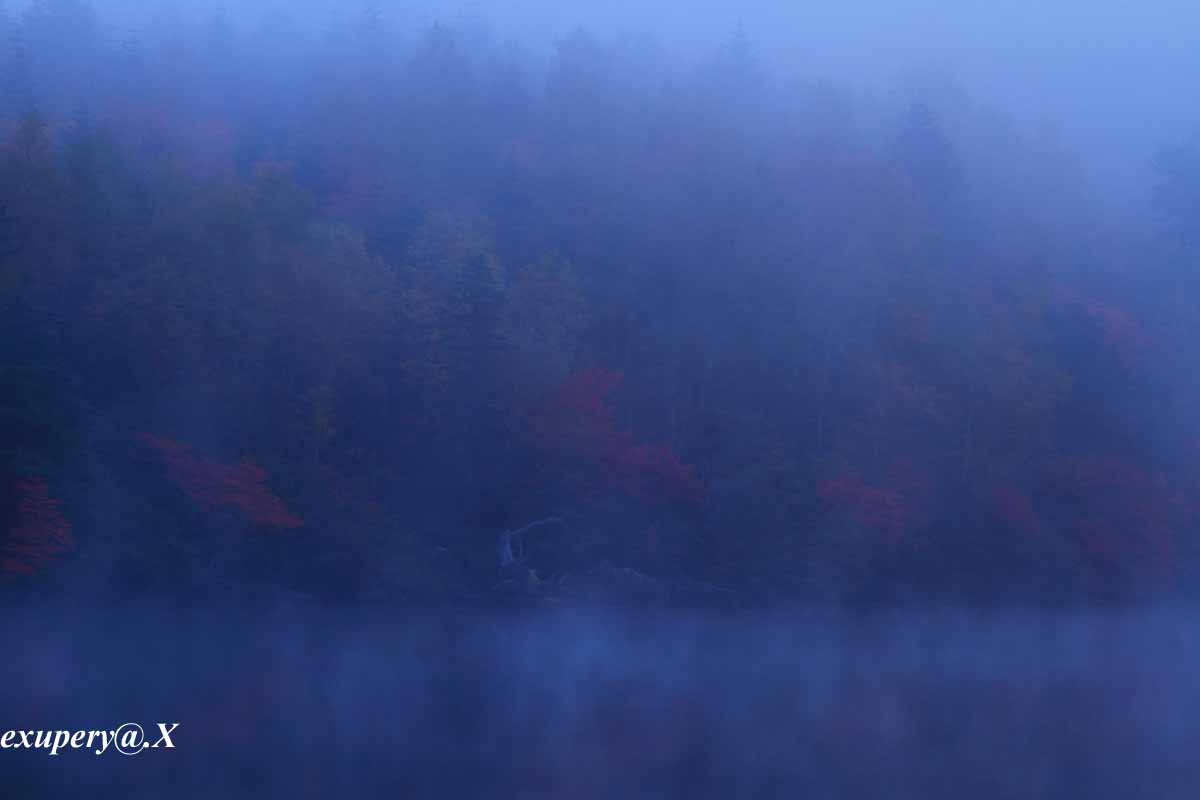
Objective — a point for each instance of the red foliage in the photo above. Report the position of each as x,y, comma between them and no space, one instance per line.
881,509
578,422
1124,515
41,533
1121,332
1013,509
213,485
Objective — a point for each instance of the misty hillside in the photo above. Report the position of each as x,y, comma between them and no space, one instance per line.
423,314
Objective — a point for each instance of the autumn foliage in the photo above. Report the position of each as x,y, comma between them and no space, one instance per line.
877,508
1117,329
213,485
856,361
1013,509
1121,516
577,422
41,535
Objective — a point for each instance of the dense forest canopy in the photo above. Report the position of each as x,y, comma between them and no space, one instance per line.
424,315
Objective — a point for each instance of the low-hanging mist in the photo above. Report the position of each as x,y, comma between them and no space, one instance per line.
300,702
600,401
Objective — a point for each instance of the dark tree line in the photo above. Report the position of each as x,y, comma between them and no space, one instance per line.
335,310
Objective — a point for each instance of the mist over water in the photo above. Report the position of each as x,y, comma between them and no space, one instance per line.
602,399
303,701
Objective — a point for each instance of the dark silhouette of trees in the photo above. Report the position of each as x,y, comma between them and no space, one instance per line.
732,328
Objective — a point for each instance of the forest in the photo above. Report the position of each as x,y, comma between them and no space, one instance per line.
419,316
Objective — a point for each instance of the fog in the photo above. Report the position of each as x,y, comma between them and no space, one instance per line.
595,704
634,399
1114,79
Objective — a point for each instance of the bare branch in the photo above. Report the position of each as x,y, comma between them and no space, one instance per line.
511,546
